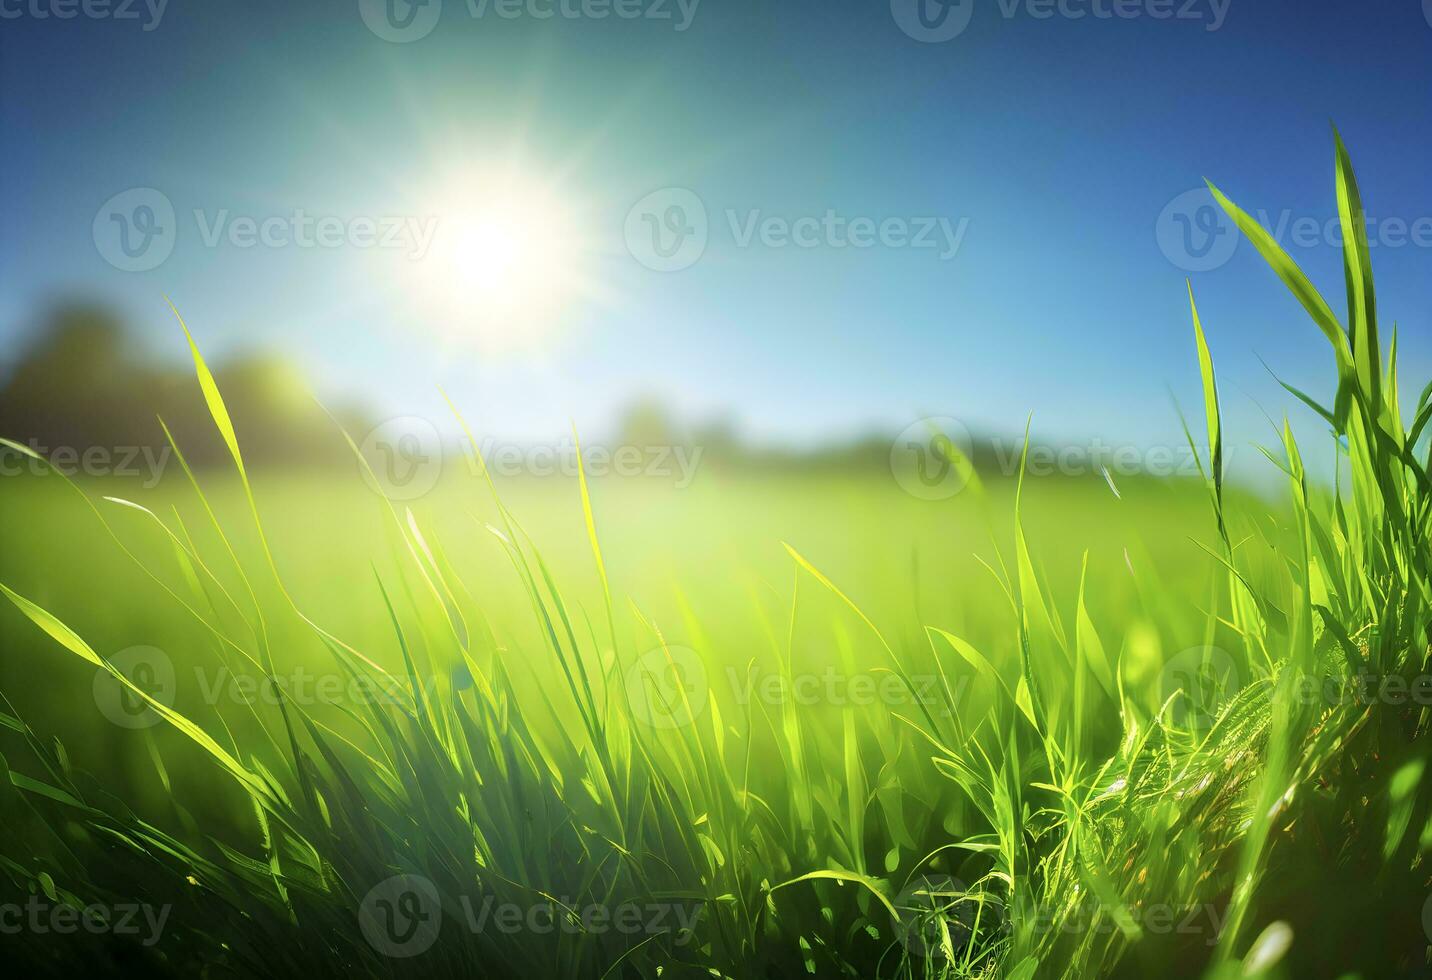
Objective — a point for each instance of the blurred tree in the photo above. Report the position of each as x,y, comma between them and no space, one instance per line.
647,423
81,382
70,386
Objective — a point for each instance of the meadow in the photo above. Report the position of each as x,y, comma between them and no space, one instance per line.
769,724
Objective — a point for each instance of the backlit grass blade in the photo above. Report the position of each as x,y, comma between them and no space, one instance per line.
1361,295
1306,294
1212,416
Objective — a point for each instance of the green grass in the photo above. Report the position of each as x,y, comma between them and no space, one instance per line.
1042,730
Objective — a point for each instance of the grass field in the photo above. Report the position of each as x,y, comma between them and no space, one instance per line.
769,725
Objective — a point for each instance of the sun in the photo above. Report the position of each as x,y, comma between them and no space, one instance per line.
504,264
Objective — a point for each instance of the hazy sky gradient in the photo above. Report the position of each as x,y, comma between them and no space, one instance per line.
1056,142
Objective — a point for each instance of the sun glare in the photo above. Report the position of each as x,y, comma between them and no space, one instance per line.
503,264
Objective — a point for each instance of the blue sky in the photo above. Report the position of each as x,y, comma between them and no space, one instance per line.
1050,143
